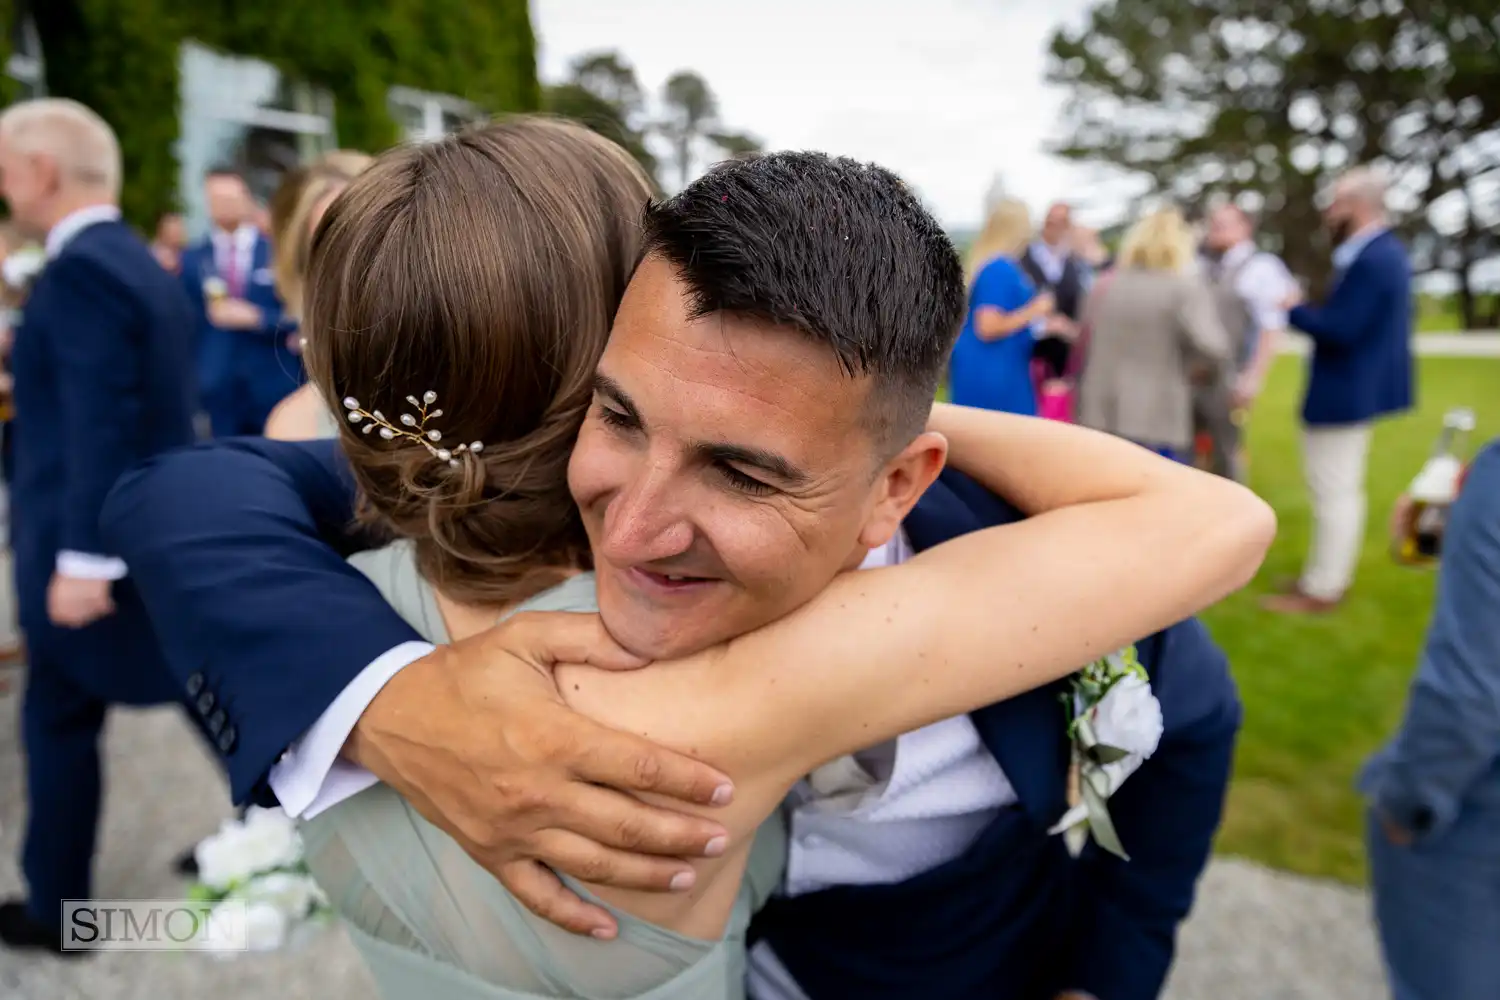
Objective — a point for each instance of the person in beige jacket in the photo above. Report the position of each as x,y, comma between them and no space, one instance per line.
1154,334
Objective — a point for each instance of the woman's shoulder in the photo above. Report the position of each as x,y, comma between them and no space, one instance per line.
1004,268
577,593
301,416
393,570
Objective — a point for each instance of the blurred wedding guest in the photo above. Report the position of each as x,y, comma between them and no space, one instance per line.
1250,287
1093,252
1053,265
1434,790
1362,371
1152,327
169,242
283,201
991,363
244,367
304,415
103,371
18,271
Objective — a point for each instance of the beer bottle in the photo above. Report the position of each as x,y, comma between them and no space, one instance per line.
1432,492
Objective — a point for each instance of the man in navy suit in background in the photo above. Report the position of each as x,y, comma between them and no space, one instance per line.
1362,371
103,381
244,367
947,886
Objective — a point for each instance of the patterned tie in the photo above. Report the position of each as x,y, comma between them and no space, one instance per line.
235,278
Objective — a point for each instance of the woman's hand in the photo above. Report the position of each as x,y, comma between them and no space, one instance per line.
994,323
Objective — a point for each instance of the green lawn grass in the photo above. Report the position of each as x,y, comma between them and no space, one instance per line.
1322,693
1438,314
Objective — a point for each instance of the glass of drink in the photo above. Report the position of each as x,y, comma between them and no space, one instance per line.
1418,539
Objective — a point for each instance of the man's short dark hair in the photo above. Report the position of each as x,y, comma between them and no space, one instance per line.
224,170
842,251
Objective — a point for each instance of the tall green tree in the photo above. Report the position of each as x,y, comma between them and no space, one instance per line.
690,124
602,92
1265,102
689,112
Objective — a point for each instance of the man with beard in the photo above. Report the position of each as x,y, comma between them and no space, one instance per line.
1361,370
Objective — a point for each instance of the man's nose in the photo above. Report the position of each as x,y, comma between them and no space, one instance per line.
645,523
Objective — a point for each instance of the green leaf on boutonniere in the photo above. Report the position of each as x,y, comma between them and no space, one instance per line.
1106,754
1100,825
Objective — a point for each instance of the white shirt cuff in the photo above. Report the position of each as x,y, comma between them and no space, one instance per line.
88,566
311,776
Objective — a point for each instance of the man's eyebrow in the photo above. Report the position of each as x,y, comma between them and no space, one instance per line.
606,386
739,454
759,458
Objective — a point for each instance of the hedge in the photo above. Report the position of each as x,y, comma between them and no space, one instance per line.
120,57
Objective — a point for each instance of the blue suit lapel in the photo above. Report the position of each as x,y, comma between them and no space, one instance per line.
1026,733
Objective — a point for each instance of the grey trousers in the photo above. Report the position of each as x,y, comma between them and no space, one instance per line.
1213,415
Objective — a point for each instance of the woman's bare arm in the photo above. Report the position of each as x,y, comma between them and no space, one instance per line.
994,323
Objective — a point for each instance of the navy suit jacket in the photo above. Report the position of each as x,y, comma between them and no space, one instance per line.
1443,764
103,372
227,543
1362,354
216,348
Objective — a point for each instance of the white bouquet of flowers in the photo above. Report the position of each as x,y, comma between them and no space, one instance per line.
256,864
1114,725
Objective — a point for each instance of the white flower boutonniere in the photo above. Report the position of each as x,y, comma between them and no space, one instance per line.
1114,724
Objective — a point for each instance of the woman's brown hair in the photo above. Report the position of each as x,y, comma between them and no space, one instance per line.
461,291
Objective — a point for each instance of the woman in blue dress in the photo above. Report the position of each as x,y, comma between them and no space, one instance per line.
991,363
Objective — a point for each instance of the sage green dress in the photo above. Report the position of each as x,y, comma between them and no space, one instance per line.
432,924
328,423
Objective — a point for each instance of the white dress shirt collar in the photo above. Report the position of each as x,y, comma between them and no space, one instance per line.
70,225
242,238
1052,260
1355,245
1237,255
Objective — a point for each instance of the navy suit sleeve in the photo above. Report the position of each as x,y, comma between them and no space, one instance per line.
100,383
272,312
1354,308
237,550
1451,735
1127,912
192,283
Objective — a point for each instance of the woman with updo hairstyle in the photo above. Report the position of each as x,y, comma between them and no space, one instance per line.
296,209
460,296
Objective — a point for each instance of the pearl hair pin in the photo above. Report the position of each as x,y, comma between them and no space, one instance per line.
414,427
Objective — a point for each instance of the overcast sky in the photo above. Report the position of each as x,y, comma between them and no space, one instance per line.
948,93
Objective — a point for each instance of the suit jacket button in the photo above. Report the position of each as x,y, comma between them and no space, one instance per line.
216,722
205,703
227,740
194,685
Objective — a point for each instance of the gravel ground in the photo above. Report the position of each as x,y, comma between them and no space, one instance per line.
1256,934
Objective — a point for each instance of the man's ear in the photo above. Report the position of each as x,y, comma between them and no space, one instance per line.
903,480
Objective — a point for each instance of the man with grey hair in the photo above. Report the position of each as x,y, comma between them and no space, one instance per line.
1361,371
103,380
